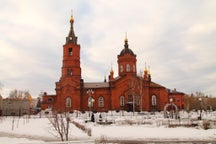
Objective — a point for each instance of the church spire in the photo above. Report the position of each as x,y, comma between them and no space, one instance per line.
126,48
126,41
71,19
111,76
71,38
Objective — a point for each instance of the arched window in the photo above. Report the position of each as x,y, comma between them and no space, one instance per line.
100,101
154,100
121,100
68,102
127,68
70,72
50,100
121,68
134,68
70,51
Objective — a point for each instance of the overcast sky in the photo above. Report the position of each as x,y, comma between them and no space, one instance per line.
177,38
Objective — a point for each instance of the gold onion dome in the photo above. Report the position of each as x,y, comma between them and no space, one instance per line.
146,70
126,39
111,71
72,19
126,48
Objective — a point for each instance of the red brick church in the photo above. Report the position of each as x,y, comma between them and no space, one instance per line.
128,91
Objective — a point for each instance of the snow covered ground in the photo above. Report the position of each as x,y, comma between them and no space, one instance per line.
127,127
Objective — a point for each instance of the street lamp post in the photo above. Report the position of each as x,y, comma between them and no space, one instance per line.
91,103
200,100
90,92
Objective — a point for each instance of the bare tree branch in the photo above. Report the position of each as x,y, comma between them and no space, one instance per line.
60,122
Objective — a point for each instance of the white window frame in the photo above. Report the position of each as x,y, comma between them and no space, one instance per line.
134,68
101,101
127,67
122,100
68,102
121,68
154,100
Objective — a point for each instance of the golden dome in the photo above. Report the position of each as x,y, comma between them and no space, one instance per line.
126,39
146,71
72,19
111,71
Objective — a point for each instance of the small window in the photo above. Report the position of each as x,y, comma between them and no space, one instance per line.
154,100
70,72
101,102
134,68
68,102
127,68
70,51
121,68
122,101
50,100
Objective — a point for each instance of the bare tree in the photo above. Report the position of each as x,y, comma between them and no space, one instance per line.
19,94
60,122
135,87
15,94
192,102
187,101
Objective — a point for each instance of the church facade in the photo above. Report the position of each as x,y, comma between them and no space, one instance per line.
128,91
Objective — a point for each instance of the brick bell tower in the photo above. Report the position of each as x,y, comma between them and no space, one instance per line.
68,87
126,61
